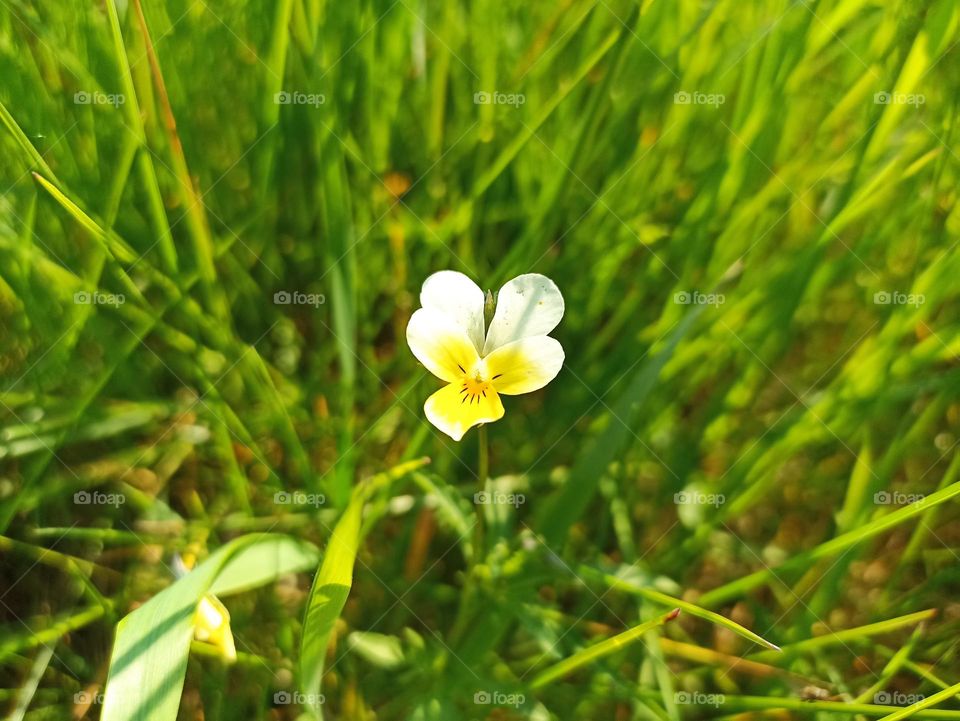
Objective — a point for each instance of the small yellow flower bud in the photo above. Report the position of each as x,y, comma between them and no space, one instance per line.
212,625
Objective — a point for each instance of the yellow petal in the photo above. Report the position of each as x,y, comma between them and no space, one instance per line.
440,344
524,365
457,297
528,305
454,411
212,624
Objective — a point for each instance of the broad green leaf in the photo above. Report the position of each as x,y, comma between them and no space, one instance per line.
149,659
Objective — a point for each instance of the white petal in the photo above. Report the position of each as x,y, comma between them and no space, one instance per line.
440,344
528,305
457,297
524,365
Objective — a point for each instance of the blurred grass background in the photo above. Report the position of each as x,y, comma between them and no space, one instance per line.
750,209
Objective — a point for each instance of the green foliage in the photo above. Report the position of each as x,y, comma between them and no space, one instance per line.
214,224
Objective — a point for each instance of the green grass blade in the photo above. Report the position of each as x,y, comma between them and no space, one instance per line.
195,215
26,693
327,597
562,510
604,648
848,635
510,152
829,548
148,174
333,581
804,706
663,599
36,160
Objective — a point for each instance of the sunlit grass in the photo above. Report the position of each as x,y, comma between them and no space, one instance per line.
215,223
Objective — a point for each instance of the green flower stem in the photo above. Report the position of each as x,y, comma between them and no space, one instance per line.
477,554
483,466
483,474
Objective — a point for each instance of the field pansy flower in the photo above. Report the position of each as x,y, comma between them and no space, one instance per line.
513,356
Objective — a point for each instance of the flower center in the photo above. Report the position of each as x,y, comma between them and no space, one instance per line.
473,389
474,386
